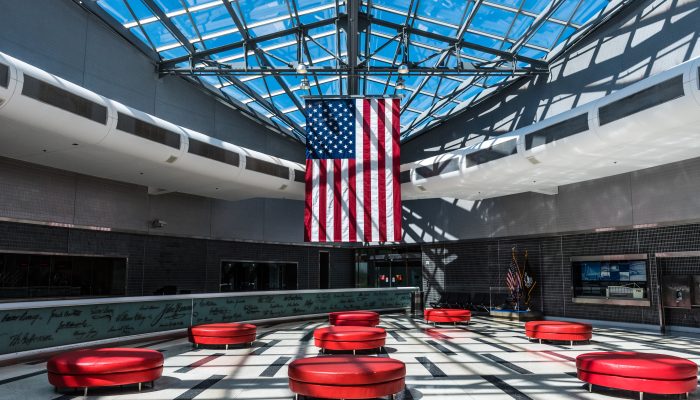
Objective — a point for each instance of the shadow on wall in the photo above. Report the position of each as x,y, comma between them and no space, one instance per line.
647,38
444,219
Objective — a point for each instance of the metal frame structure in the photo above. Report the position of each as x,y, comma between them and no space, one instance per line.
248,53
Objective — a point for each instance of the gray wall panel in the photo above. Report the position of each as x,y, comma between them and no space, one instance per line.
185,214
126,76
29,31
283,219
36,193
668,193
595,204
238,219
103,203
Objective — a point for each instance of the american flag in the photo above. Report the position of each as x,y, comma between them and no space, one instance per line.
353,192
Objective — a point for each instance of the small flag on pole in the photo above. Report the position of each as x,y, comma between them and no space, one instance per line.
353,193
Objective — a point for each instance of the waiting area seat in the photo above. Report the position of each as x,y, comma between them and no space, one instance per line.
104,367
447,315
349,338
558,330
346,377
639,372
353,318
222,334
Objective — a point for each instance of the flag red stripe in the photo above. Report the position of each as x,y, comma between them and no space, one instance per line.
337,198
308,212
381,167
322,201
352,200
366,169
396,151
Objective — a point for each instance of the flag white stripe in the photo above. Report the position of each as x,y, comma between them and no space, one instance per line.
388,170
345,192
329,201
314,199
359,180
374,165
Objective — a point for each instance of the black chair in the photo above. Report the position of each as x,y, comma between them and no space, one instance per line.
480,302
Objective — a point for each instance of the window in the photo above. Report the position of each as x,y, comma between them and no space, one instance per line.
557,131
35,276
244,276
148,131
437,168
494,152
615,277
63,99
642,100
4,75
266,167
212,152
405,176
299,176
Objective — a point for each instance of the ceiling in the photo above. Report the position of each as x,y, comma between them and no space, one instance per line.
247,51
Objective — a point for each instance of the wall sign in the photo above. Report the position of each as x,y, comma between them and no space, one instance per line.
36,328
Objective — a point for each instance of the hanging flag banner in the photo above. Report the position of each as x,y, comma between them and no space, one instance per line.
353,193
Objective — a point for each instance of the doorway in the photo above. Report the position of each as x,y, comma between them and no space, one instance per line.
324,269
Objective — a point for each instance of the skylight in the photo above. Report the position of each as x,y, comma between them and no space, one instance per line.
246,50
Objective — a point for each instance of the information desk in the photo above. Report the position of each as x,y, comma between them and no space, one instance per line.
41,324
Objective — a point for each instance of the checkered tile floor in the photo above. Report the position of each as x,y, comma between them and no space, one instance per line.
489,359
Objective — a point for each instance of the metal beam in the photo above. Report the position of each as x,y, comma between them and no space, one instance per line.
351,41
170,25
226,70
451,41
585,31
252,41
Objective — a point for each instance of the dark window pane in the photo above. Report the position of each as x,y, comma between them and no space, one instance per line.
299,176
642,100
557,131
25,276
405,176
148,131
63,99
438,168
266,167
494,152
4,75
212,152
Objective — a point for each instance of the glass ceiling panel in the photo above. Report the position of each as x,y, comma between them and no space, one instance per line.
207,25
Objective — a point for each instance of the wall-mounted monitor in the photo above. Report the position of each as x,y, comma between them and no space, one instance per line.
610,276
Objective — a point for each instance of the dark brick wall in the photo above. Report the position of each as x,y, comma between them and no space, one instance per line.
190,264
474,266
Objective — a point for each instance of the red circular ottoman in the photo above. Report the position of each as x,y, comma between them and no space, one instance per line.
453,315
104,367
349,338
639,372
353,318
222,333
346,377
558,330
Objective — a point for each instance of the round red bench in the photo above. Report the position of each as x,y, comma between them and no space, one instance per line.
558,330
353,318
104,367
349,338
222,333
638,372
453,315
346,377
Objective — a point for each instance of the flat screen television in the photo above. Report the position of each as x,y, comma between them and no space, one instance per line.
612,271
608,276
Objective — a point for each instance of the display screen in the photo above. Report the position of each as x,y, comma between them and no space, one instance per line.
613,271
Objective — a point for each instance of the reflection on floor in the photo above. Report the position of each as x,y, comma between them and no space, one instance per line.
489,359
